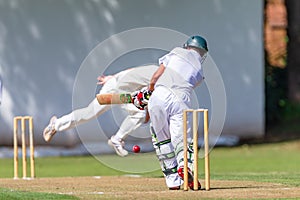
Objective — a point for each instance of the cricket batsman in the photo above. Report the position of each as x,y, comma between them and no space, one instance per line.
179,72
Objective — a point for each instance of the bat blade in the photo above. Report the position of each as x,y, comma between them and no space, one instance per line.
121,98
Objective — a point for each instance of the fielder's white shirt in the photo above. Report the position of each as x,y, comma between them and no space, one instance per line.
134,79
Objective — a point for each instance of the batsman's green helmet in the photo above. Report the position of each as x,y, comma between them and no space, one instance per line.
196,41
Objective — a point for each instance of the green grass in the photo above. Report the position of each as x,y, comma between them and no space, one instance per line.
14,195
68,167
276,163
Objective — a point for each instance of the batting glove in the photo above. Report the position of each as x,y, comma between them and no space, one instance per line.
140,98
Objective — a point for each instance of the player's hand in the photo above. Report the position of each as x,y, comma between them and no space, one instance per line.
140,98
103,79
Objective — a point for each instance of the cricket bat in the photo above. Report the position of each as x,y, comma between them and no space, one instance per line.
121,98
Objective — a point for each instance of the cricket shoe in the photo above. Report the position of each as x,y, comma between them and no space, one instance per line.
50,131
118,146
174,188
190,178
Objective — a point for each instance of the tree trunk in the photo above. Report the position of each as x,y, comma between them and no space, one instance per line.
293,51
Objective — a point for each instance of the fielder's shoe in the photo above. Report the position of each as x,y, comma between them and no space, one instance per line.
118,146
49,131
190,178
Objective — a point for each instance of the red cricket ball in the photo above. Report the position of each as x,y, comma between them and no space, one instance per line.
136,148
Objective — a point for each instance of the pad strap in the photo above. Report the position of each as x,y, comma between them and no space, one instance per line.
170,171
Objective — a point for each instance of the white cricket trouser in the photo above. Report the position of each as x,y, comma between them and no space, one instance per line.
165,111
134,119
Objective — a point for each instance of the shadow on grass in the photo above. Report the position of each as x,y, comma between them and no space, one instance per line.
234,187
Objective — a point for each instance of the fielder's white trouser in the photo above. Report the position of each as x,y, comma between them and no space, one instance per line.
165,111
134,119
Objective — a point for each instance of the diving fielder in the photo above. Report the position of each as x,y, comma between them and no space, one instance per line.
129,80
